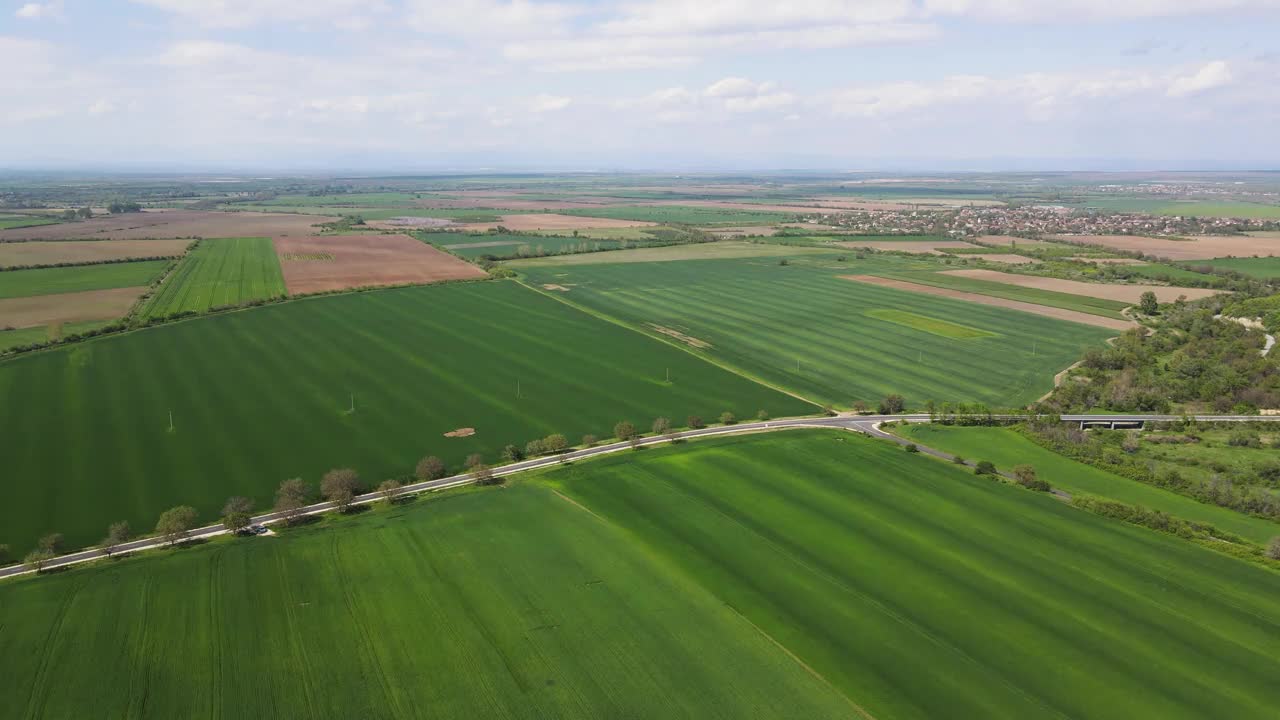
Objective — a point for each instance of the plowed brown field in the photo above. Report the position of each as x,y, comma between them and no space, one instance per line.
86,251
1199,247
366,260
1123,293
173,224
68,307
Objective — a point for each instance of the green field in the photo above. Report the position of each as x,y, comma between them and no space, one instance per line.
377,213
1174,273
265,395
8,222
803,328
1048,298
80,278
927,324
1194,208
1007,448
228,271
719,250
808,574
686,215
501,245
1264,268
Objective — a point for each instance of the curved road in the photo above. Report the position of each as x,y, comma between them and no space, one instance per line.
867,424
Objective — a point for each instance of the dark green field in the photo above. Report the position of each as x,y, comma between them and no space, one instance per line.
8,222
264,395
501,245
808,574
1049,298
52,281
802,327
225,271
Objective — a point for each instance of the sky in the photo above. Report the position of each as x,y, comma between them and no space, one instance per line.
640,84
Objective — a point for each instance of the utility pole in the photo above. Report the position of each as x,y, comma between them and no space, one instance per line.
517,389
353,403
668,375
170,421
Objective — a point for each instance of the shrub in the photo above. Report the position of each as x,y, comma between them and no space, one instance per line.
728,418
661,426
958,459
589,440
762,415
695,422
892,404
511,453
534,448
1026,476
1273,548
429,468
911,448
555,443
624,430
984,467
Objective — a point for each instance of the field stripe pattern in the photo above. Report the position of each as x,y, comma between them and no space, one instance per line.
224,271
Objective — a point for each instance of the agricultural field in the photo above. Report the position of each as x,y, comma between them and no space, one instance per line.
801,327
371,381
1170,273
869,564
1007,448
686,215
38,252
1263,268
227,271
1195,208
794,575
159,224
501,246
20,221
321,264
53,281
1049,298
379,213
668,253
85,306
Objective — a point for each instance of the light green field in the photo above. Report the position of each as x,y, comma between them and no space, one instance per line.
265,395
221,272
501,246
81,278
685,214
803,328
8,222
724,249
1048,298
927,324
1007,448
1264,268
42,333
806,574
378,213
1194,208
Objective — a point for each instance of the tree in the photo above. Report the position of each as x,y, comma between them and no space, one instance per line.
484,475
117,535
1273,548
534,448
911,448
473,461
695,422
984,467
555,443
237,513
51,542
762,415
661,426
429,468
389,489
339,486
860,407
84,213
1026,477
1148,304
728,418
589,440
958,459
291,497
892,404
511,453
6,555
175,523
37,559
624,430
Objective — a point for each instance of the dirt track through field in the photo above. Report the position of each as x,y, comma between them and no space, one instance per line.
1058,313
80,251
1106,291
68,307
365,260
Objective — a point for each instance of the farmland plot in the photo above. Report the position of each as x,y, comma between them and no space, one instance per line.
52,281
228,271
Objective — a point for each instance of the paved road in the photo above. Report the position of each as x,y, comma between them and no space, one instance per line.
867,424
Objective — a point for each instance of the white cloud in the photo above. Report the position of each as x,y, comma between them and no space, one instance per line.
731,16
38,11
101,107
490,18
1090,10
742,95
345,14
1212,75
548,103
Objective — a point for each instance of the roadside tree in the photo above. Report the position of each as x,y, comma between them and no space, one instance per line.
291,497
389,489
984,467
624,430
892,404
555,443
237,513
51,542
339,486
589,440
37,559
661,426
175,523
429,468
512,453
117,535
694,422
728,418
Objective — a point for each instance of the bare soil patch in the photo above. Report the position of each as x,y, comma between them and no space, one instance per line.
68,307
686,339
80,251
1006,258
1199,247
1123,293
461,432
366,260
553,221
1059,313
415,222
173,224
553,286
927,247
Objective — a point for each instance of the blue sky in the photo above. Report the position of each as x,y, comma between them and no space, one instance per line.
658,84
